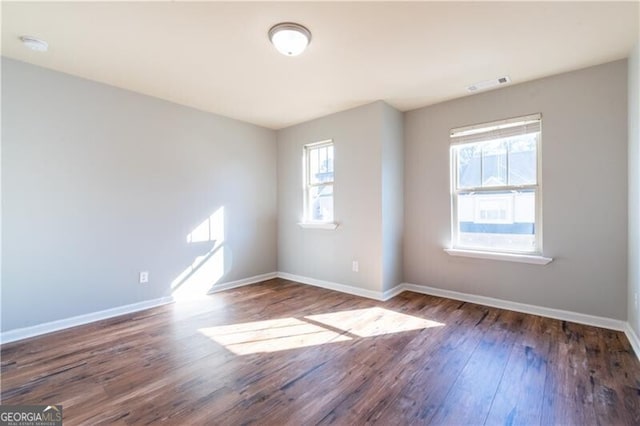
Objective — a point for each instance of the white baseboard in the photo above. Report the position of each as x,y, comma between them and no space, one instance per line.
393,292
633,339
612,324
576,317
356,291
49,327
343,288
245,281
609,323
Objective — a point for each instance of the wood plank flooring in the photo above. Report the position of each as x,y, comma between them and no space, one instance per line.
285,353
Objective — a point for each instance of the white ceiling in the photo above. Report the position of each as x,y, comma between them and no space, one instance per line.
216,56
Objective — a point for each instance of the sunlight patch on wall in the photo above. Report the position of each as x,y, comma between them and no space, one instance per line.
211,229
206,270
373,321
271,335
201,278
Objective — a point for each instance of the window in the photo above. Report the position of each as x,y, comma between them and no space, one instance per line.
496,186
318,205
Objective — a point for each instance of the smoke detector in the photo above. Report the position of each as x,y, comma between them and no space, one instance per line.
489,84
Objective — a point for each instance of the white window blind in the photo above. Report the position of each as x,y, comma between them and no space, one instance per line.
496,130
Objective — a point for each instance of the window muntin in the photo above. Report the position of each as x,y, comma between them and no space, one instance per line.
319,177
495,186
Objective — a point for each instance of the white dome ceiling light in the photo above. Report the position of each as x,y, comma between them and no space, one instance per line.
289,38
34,43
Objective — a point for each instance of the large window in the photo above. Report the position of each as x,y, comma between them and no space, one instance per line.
495,193
318,206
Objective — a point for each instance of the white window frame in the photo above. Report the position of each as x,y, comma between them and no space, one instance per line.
307,221
501,254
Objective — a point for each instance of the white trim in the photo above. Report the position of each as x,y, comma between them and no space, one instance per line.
308,186
494,125
603,322
609,323
328,226
356,291
392,292
633,339
241,283
508,257
537,187
319,144
49,327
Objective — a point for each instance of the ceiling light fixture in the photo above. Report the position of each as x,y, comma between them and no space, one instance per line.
289,38
34,43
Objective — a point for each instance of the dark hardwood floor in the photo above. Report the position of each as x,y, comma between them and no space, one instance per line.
284,353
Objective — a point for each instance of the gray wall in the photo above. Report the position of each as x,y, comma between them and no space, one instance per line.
584,178
392,196
634,187
368,199
100,183
327,255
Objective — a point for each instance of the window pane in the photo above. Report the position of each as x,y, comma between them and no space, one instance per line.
494,163
321,203
522,160
469,157
313,164
321,164
500,220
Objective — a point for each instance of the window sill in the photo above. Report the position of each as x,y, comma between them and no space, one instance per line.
329,226
508,257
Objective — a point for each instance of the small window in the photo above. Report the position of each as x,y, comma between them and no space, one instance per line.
495,193
318,175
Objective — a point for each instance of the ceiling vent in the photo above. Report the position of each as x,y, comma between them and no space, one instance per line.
488,84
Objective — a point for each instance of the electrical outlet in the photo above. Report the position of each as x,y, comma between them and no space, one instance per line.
355,266
144,277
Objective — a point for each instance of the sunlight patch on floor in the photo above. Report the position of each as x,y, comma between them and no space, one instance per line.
291,333
271,335
373,321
